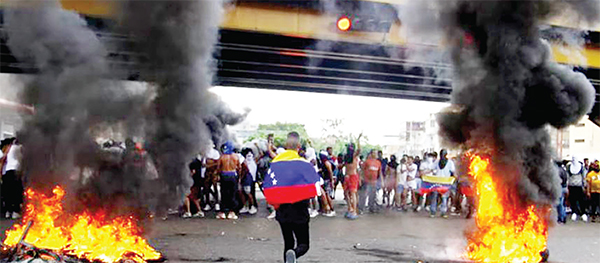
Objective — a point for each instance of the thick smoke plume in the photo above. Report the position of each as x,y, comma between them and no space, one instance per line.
70,93
75,96
507,88
176,40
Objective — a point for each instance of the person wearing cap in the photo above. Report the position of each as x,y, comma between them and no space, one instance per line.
229,167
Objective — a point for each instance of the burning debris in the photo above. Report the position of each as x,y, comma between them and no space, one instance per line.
506,91
50,233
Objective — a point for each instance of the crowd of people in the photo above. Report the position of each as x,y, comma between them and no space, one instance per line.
580,182
226,180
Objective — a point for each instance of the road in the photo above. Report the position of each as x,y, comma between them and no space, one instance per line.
389,236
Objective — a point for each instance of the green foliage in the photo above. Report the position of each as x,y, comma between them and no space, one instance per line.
333,136
279,131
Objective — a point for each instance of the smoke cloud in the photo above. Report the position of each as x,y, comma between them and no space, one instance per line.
507,89
69,93
75,96
176,43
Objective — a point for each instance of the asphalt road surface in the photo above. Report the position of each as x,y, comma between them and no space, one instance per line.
389,236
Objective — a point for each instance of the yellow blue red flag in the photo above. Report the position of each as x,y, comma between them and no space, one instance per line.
290,179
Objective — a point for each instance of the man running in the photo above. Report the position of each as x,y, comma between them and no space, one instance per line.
229,167
294,218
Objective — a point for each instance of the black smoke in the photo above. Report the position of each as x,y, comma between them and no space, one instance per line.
507,89
70,92
75,96
176,45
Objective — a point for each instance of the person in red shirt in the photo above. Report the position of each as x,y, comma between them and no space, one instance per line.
372,171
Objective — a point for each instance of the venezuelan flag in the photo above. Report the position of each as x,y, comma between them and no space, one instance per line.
290,179
436,184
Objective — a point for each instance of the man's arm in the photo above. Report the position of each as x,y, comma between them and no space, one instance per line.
357,151
328,166
271,150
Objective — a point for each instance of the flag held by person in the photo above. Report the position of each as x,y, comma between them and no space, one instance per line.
436,184
290,179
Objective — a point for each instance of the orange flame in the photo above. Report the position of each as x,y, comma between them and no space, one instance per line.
82,235
505,232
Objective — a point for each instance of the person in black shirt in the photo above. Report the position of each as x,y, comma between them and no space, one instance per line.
294,218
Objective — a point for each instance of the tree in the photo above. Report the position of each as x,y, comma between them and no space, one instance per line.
333,136
279,131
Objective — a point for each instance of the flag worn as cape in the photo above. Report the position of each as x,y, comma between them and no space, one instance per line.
290,179
436,184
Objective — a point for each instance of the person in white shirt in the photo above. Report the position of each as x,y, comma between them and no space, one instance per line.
401,186
412,180
12,186
443,168
427,168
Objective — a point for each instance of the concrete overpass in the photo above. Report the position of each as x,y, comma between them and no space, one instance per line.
296,45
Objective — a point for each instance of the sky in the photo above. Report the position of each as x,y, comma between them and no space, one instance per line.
380,119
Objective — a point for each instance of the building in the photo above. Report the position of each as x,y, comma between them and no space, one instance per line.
581,140
418,137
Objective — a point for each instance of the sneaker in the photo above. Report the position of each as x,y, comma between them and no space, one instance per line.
290,256
583,217
444,216
221,215
253,210
232,216
244,210
186,215
419,208
314,213
16,215
7,215
200,214
432,216
330,214
574,217
352,216
207,207
272,215
217,207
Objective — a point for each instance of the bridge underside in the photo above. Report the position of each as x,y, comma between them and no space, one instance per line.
270,61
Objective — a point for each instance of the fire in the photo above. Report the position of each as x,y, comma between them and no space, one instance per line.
84,236
505,232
